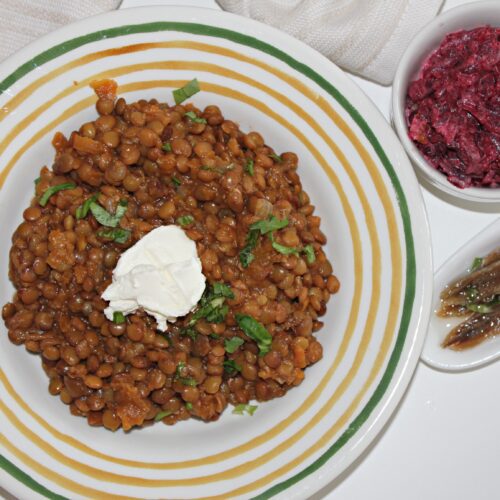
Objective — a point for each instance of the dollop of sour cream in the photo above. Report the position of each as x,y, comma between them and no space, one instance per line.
161,274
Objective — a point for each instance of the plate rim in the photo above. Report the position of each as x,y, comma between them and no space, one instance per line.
207,18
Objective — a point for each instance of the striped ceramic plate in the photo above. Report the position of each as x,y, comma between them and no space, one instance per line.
364,189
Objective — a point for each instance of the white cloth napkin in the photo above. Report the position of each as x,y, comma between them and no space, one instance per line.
22,21
366,37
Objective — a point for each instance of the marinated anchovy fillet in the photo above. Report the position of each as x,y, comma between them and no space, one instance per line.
481,286
476,295
474,330
137,167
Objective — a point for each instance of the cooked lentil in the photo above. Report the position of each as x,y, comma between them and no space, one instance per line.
153,164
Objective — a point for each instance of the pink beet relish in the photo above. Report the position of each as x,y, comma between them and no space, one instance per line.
453,108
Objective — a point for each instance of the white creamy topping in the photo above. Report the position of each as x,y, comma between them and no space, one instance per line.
161,274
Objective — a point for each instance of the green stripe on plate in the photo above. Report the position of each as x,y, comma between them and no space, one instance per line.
27,480
200,29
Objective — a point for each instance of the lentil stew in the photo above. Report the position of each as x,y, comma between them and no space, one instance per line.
139,166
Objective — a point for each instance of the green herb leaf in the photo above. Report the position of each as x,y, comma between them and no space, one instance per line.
189,332
481,308
256,331
178,369
472,294
284,250
167,147
309,252
116,234
269,225
217,315
260,227
83,209
212,306
242,408
189,406
118,317
214,336
231,367
232,344
476,264
275,157
249,167
162,415
194,117
189,90
104,217
246,255
176,182
223,290
185,220
37,180
212,310
191,382
44,199
183,380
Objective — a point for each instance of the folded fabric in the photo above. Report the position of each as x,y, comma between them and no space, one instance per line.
366,37
22,21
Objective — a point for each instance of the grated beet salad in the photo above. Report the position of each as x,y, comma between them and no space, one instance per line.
453,109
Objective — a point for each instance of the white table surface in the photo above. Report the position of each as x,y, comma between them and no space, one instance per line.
443,441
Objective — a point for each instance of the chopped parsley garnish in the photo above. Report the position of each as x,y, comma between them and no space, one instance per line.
476,264
190,89
242,408
189,406
284,249
179,375
104,217
83,209
176,182
259,228
162,415
232,344
269,225
178,369
116,234
191,382
213,310
472,294
118,317
185,220
309,252
223,290
167,147
483,308
249,167
212,304
246,255
44,199
189,332
275,157
256,331
214,336
231,367
194,117
37,180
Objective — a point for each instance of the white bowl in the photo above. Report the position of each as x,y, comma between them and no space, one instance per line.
468,16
